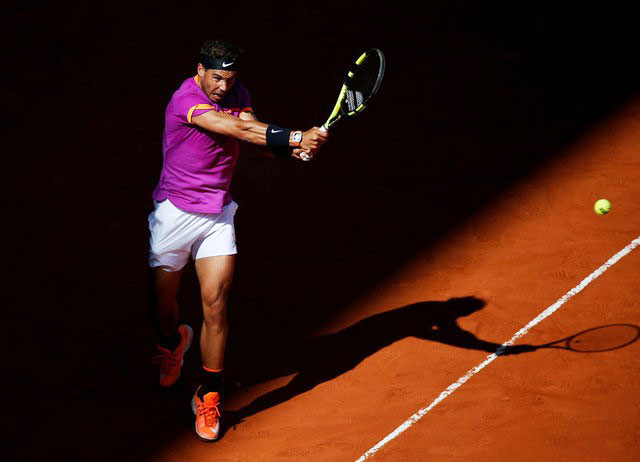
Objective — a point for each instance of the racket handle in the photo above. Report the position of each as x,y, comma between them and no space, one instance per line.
324,129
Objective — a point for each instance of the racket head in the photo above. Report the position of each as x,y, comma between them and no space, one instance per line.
599,339
361,83
605,338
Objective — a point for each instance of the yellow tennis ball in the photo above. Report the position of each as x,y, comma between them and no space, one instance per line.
602,206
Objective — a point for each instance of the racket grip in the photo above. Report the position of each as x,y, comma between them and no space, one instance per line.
324,129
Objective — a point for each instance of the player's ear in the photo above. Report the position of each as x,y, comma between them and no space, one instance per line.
200,70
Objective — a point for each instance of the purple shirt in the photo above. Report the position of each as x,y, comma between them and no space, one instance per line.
198,164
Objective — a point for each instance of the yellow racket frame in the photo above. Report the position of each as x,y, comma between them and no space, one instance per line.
336,114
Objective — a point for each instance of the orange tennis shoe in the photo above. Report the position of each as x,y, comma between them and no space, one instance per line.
171,361
207,412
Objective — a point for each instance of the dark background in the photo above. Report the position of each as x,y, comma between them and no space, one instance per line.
475,98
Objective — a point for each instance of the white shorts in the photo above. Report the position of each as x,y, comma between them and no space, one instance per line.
177,235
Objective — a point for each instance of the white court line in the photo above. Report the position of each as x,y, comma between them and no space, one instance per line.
493,356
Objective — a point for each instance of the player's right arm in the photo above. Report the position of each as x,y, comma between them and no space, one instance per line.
253,131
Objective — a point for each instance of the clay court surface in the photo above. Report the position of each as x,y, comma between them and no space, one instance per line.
454,211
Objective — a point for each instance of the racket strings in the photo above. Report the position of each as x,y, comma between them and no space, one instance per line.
353,100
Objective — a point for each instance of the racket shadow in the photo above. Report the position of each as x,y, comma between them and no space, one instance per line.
323,358
598,339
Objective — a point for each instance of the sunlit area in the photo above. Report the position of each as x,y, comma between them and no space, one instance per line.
420,329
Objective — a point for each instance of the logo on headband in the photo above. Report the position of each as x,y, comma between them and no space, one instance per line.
210,62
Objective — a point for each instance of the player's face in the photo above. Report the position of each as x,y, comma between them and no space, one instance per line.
216,83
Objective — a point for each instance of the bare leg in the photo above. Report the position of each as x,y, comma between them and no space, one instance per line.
162,297
215,275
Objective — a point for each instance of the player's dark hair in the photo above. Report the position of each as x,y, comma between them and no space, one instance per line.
219,49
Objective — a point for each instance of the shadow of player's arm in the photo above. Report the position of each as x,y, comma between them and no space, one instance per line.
455,336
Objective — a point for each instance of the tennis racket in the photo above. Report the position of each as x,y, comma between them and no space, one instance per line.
598,339
359,86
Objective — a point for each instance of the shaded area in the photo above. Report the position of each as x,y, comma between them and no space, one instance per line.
476,97
322,358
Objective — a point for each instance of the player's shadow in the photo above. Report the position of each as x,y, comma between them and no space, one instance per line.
319,359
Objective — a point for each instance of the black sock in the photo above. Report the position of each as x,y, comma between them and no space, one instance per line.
171,341
210,381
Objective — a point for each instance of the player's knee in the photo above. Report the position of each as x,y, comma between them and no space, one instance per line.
215,320
162,302
214,307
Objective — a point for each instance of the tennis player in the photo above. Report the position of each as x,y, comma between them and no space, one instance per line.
205,121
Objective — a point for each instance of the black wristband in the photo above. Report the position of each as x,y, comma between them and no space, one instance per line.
278,137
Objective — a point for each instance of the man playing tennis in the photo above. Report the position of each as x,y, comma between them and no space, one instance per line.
205,120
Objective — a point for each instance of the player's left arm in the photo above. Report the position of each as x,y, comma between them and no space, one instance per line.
250,116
